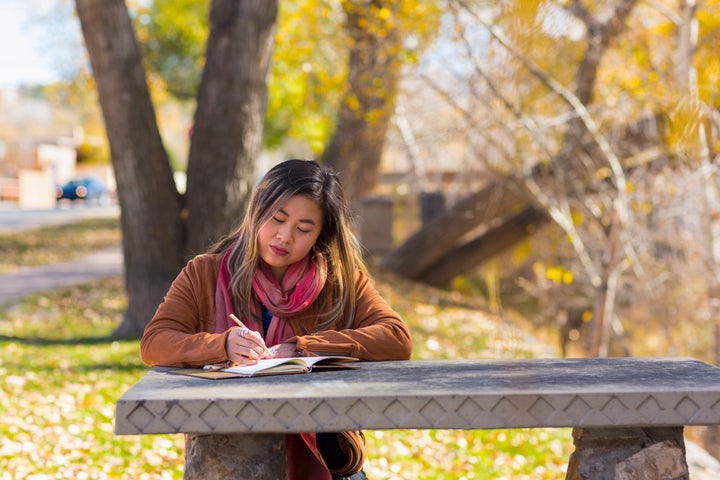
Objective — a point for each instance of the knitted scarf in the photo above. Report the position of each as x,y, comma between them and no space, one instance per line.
298,289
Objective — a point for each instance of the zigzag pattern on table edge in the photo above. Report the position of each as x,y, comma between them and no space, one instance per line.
450,412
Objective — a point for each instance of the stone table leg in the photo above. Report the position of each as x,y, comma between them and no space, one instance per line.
628,454
256,456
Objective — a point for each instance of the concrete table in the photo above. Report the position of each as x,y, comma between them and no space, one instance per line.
617,406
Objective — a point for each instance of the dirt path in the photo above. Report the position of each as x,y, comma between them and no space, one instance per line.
102,263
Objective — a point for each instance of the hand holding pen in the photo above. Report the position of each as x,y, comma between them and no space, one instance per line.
245,346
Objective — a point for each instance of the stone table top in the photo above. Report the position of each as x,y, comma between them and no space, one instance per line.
437,394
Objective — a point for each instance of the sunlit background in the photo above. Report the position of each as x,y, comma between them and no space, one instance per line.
39,41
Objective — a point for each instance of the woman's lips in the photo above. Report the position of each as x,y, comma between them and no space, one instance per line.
278,250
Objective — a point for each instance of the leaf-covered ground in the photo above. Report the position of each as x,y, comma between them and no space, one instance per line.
62,377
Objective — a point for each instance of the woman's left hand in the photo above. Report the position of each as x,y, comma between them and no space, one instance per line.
283,350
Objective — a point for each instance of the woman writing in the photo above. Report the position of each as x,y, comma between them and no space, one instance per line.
293,274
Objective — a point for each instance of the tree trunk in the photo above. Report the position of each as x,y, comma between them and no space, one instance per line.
428,245
227,133
225,141
493,242
149,202
356,146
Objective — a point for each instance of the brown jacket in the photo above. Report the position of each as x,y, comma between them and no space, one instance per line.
181,332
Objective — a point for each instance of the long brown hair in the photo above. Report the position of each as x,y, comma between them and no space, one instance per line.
336,240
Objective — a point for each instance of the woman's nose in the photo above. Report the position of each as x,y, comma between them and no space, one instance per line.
283,233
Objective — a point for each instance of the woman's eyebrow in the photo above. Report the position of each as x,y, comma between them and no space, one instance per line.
302,220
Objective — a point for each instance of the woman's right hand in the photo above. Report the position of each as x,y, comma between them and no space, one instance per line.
245,346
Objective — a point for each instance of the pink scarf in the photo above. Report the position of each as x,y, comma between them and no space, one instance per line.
299,288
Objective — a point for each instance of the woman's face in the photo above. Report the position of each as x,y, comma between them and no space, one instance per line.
290,233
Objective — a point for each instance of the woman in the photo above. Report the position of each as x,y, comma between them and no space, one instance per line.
293,273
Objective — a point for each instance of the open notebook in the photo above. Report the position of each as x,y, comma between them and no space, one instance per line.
272,366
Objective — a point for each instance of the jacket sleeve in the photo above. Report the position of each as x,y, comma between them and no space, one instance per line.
179,333
377,333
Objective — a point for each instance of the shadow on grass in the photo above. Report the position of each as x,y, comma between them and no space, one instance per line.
83,369
99,367
82,366
49,342
128,368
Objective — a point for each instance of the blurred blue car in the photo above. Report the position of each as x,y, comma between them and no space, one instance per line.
86,188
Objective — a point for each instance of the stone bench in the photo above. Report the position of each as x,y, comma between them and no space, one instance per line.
627,414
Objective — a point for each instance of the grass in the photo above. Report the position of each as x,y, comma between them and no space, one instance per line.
62,377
